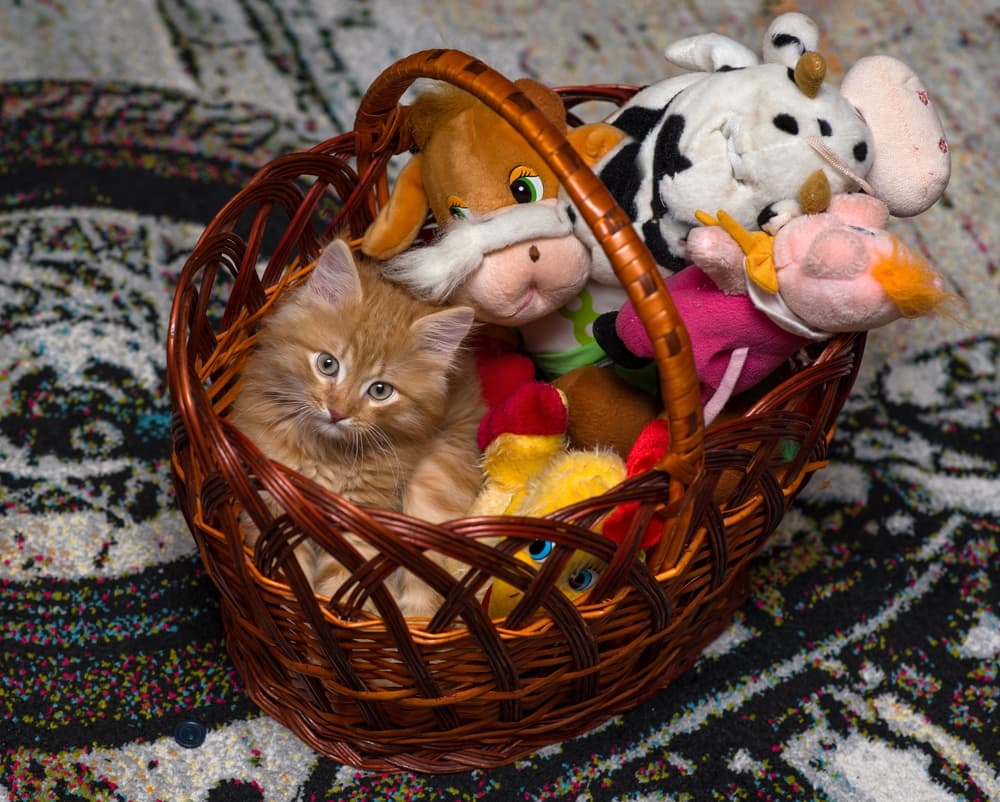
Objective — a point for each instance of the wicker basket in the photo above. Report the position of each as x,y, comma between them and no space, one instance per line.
462,691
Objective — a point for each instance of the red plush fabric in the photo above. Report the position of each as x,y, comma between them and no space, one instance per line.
535,407
649,448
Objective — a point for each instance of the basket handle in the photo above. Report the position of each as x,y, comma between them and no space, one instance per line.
632,262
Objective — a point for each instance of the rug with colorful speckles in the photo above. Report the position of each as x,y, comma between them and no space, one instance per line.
864,666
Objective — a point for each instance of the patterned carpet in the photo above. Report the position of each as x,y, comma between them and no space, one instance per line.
864,666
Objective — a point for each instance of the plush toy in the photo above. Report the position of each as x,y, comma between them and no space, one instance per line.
577,577
534,474
506,246
751,300
565,477
768,140
513,458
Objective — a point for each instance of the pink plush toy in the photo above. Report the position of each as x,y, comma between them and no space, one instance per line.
751,300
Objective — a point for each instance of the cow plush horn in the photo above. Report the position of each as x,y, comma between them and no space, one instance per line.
810,70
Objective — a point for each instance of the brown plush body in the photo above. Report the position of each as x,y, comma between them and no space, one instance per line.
371,394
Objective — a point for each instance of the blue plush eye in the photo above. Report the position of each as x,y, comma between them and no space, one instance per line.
327,364
381,391
581,579
539,550
525,185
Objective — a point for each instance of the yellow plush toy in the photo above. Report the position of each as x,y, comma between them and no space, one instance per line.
533,475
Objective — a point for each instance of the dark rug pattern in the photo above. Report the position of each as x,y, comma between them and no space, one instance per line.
863,667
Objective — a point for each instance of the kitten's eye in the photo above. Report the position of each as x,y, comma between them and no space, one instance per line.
525,185
539,550
327,364
381,391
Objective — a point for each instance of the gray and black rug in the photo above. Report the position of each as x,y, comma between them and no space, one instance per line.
863,668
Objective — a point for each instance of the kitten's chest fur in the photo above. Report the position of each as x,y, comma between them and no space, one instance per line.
377,480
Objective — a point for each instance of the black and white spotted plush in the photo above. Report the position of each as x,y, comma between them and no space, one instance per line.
743,135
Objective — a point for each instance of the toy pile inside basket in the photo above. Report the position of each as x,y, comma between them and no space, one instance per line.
467,687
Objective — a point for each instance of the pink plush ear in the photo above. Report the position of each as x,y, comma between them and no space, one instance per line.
719,255
911,164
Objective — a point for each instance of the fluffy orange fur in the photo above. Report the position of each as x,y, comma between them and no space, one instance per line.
393,426
910,283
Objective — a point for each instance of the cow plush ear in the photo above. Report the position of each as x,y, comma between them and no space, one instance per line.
788,37
911,164
709,52
400,220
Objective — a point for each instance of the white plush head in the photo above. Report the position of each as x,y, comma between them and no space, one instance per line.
747,137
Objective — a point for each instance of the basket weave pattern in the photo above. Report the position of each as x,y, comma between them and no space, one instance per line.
463,691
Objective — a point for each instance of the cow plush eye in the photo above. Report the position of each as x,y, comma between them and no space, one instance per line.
327,364
457,207
539,550
525,185
381,391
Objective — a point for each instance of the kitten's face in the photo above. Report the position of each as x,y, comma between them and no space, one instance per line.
354,363
361,389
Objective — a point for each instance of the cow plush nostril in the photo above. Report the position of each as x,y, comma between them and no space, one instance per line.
533,253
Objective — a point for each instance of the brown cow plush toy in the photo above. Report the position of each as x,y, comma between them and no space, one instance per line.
506,245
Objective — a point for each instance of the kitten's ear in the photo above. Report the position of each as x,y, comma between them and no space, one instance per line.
335,277
444,332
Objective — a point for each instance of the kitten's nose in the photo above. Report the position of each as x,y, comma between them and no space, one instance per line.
335,416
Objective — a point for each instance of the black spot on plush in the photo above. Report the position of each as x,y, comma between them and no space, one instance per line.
621,176
786,123
667,158
765,215
780,40
825,128
658,247
637,122
861,151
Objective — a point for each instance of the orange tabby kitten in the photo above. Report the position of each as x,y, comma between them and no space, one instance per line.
370,393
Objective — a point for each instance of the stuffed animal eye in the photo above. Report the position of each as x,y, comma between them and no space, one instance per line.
525,185
381,391
539,550
581,579
457,207
327,364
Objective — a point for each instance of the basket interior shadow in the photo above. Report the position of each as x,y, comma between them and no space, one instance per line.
461,690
